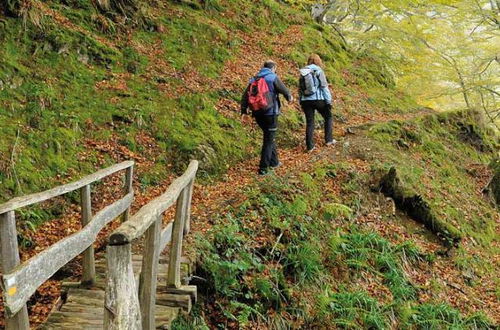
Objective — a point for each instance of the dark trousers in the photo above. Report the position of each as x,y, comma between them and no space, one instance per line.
325,109
268,155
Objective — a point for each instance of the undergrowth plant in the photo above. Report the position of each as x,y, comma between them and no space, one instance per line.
308,268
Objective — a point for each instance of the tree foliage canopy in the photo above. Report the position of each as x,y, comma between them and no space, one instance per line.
451,47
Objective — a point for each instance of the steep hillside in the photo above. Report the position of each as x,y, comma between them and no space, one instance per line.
318,245
79,83
313,245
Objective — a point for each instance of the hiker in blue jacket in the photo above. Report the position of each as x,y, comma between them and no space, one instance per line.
267,118
315,95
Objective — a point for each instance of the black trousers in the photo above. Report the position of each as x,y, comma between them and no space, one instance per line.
268,155
325,109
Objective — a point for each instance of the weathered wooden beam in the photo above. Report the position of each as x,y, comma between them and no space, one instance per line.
22,201
174,268
175,300
10,259
149,275
27,277
189,290
121,305
166,236
88,260
187,225
129,180
137,225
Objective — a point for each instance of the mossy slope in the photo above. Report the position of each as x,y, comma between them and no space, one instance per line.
80,76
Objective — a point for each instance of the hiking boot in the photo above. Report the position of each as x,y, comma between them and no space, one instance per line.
331,143
277,165
311,150
263,172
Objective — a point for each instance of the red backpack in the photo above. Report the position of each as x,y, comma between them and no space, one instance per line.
259,96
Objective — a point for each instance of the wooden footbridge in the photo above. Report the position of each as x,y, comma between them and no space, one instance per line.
125,290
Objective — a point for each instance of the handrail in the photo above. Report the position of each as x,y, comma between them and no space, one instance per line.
127,306
140,222
27,200
28,276
20,281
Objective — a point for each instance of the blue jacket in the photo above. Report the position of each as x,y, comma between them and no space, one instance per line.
323,92
276,87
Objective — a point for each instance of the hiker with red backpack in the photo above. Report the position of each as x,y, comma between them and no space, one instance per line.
315,96
262,97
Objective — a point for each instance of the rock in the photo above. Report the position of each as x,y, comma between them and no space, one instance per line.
350,130
16,82
494,186
345,147
84,58
63,50
417,208
161,80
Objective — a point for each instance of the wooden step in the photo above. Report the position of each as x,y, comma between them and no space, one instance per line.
84,307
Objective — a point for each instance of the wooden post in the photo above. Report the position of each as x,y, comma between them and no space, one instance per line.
148,277
88,277
129,179
121,304
187,225
174,267
10,259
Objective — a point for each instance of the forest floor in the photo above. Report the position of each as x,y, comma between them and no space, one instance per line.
209,199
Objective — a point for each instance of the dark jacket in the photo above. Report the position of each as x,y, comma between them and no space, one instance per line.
276,87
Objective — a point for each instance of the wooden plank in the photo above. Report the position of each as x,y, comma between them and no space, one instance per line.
92,294
187,225
66,326
148,278
88,261
122,309
165,315
166,236
129,180
175,300
76,308
174,269
10,259
78,318
190,290
31,274
86,301
22,201
137,225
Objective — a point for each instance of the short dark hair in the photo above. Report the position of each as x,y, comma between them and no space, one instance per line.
269,64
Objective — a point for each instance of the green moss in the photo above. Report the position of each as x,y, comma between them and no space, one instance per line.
437,151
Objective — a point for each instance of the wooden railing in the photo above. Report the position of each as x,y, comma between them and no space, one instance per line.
126,305
20,281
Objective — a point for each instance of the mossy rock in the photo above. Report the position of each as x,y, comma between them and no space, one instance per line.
417,208
494,186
